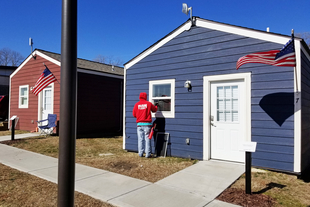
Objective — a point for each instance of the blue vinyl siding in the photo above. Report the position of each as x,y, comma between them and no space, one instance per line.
203,52
305,117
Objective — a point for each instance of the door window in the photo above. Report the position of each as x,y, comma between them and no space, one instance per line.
47,99
227,103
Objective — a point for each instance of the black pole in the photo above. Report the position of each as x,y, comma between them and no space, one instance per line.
13,129
248,164
67,131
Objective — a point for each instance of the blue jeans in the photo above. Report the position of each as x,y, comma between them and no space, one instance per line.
144,143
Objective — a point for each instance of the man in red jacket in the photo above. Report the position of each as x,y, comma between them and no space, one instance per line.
142,112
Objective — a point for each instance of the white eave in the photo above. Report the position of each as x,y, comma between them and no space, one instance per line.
242,31
35,53
56,62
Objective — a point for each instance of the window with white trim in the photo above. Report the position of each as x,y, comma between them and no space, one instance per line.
23,96
162,92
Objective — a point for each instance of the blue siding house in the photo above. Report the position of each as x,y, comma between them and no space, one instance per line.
224,107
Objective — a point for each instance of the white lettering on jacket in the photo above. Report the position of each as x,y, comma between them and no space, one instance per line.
142,106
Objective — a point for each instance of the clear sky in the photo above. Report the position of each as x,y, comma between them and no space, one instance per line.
124,28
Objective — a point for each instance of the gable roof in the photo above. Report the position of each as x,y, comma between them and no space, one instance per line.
88,65
199,22
82,64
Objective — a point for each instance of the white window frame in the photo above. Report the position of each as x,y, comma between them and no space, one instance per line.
20,105
163,114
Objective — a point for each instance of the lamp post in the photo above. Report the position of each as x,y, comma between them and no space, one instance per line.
68,93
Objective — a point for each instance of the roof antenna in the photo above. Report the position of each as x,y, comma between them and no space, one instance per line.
30,44
185,10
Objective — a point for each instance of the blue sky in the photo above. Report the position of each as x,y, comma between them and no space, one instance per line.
122,29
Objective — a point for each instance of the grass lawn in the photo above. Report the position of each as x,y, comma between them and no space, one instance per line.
22,189
4,133
106,153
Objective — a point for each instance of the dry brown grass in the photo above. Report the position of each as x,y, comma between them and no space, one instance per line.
22,189
107,154
286,190
4,133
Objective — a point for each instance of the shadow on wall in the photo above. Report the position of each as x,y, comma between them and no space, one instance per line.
160,142
279,106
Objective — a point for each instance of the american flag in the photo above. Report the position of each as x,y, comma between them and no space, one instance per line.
283,57
44,80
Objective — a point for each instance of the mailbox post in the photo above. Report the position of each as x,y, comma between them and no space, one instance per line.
13,127
248,148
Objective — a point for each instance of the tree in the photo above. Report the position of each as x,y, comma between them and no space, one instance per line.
109,60
305,36
9,57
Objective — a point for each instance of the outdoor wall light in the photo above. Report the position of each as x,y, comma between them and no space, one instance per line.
188,85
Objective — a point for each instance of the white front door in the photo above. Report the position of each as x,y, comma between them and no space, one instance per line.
46,103
227,120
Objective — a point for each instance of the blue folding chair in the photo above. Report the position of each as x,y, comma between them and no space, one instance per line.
49,127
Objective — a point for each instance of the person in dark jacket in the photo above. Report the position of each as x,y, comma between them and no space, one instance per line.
142,112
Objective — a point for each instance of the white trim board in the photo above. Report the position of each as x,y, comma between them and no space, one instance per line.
183,28
270,37
124,110
297,109
34,53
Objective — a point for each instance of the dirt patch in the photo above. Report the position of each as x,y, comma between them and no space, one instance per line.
239,197
123,165
11,142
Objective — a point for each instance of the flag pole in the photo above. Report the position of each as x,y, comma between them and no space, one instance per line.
53,74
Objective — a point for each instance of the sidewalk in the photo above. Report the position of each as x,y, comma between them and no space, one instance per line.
19,136
197,185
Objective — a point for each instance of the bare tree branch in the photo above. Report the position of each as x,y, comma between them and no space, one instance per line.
305,36
109,60
10,57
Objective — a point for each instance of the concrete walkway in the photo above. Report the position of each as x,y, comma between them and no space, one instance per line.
19,136
197,185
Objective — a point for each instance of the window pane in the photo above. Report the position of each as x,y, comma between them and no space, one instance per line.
220,92
234,91
23,91
163,104
220,116
47,100
162,90
220,105
235,116
235,104
24,101
227,91
227,116
227,104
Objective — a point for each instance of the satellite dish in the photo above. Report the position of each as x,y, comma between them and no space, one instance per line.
185,8
30,41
